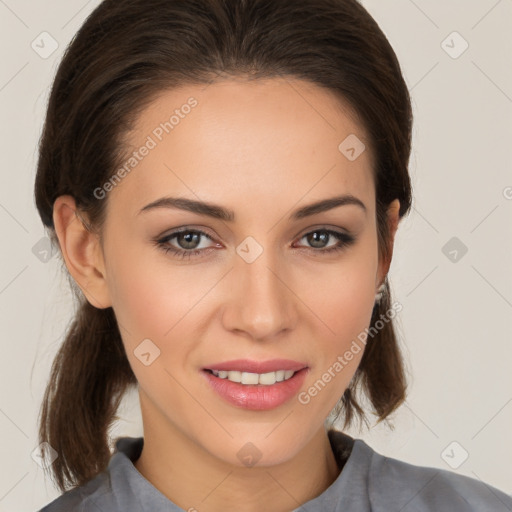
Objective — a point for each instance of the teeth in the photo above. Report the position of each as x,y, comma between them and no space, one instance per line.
266,379
248,378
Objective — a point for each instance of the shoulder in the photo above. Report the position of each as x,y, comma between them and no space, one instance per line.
115,488
397,485
93,496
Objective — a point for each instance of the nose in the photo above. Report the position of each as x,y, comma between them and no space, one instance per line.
260,303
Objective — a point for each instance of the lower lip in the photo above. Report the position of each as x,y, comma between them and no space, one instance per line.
257,397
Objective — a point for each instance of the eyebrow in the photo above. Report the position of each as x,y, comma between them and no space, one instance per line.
225,214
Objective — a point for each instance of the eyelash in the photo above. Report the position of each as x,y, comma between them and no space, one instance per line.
344,239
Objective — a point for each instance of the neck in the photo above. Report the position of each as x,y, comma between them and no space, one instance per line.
194,479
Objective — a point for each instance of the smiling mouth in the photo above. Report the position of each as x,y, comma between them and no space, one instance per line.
247,378
256,385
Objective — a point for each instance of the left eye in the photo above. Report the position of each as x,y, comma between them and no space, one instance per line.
319,236
188,239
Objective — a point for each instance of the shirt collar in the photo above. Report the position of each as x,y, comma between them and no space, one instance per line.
134,491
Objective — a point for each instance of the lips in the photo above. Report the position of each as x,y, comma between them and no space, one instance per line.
256,397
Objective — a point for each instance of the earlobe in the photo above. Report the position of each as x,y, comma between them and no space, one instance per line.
81,251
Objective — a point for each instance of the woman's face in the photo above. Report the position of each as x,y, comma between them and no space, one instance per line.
257,286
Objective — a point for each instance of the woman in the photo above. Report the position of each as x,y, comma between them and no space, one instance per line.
225,179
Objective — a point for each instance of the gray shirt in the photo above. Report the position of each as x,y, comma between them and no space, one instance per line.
368,482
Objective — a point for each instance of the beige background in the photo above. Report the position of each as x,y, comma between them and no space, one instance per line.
457,308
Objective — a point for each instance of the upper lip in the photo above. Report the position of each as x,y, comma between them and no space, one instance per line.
250,366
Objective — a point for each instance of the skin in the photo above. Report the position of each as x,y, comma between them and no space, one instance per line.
262,149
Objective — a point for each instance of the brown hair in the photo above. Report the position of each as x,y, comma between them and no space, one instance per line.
121,58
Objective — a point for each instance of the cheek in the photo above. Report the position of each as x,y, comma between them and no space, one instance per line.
342,295
154,302
164,302
149,293
343,302
347,313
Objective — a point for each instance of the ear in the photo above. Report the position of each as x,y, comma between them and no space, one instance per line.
393,220
81,251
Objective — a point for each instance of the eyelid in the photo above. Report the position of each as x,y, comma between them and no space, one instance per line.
185,229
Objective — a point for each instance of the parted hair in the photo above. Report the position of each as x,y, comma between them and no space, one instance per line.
124,55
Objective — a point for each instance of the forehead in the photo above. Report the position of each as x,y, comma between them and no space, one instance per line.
275,139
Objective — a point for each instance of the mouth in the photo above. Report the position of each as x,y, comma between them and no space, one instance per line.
256,385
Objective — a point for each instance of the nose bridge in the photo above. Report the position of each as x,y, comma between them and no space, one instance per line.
262,302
